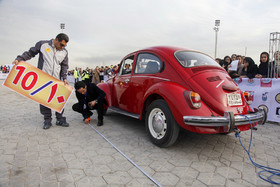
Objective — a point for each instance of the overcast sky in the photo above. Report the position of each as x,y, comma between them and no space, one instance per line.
102,32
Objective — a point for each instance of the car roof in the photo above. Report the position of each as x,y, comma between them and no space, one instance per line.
165,49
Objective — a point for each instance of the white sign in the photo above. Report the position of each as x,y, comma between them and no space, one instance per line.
3,76
265,93
233,65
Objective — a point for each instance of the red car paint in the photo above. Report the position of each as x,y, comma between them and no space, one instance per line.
131,93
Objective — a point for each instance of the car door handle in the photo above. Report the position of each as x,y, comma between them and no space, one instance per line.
126,80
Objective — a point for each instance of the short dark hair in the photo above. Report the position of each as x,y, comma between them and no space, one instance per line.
62,37
79,84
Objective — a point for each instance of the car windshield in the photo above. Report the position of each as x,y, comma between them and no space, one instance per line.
194,59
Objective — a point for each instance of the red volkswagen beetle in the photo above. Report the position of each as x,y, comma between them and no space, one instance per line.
172,87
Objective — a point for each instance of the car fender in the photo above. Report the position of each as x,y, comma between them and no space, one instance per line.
172,93
106,88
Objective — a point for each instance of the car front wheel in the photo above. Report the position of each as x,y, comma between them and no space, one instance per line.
161,125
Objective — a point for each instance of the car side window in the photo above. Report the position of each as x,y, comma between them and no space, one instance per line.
192,59
147,63
126,66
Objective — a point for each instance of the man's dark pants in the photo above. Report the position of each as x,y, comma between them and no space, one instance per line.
47,112
99,107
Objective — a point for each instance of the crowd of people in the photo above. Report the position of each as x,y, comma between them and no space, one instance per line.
96,75
4,69
247,68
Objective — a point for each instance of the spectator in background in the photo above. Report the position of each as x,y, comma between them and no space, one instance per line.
239,57
274,66
237,73
263,67
4,69
95,77
127,66
76,74
114,70
240,64
90,74
243,57
85,76
250,69
219,61
8,69
107,72
101,74
80,71
233,57
226,62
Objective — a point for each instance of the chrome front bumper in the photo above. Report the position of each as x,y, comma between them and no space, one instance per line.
228,120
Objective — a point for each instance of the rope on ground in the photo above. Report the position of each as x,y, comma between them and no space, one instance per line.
268,170
131,161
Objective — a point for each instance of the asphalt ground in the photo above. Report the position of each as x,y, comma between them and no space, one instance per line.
79,156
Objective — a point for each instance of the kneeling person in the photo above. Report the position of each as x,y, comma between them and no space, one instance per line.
90,97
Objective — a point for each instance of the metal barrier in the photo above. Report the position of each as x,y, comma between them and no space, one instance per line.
3,76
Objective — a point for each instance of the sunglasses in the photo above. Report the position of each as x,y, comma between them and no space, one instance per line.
61,44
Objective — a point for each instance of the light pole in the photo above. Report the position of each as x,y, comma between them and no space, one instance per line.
62,26
216,29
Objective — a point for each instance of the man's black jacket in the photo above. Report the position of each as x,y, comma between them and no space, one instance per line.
93,93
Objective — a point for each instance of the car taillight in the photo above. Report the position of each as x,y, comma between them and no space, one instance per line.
248,97
193,99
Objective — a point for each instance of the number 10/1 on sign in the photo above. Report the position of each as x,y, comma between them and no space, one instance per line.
39,86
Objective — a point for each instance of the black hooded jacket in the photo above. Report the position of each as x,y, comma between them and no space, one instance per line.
93,93
252,69
263,67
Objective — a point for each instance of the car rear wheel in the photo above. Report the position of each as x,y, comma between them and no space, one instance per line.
161,125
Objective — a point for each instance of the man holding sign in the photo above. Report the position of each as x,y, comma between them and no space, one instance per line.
53,59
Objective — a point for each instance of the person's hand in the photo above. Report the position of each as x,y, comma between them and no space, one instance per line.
15,62
87,120
65,82
258,76
243,76
92,103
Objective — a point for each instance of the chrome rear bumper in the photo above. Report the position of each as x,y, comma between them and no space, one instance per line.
228,120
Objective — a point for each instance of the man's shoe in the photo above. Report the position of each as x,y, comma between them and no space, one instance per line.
100,123
63,124
47,125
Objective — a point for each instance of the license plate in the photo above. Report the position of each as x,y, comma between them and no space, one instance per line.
234,99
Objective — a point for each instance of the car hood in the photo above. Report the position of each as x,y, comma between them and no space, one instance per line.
213,87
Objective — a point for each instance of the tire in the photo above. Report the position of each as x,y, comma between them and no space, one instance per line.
162,128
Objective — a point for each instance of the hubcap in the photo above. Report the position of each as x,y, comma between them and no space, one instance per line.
157,123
